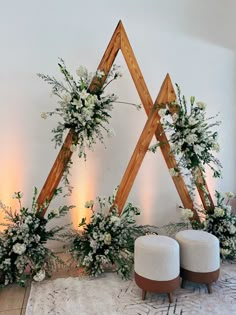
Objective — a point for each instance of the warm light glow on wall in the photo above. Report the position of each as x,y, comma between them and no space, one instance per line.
84,190
146,196
11,180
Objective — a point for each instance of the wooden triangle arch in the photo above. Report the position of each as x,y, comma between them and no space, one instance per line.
119,41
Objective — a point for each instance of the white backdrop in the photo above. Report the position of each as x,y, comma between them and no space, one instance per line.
192,40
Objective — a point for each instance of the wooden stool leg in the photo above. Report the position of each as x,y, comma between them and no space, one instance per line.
170,296
183,283
209,289
144,295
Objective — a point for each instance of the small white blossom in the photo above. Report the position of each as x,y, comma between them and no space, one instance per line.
19,248
40,276
186,213
100,74
192,121
89,204
173,172
107,238
225,252
44,115
84,94
162,112
82,72
198,149
66,97
216,147
191,139
229,194
219,212
201,105
73,148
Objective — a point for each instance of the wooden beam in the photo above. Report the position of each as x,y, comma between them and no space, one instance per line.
148,105
152,126
65,153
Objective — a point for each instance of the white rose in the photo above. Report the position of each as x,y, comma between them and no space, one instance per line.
173,172
198,149
83,94
44,115
66,98
77,103
73,148
216,147
82,71
201,105
187,213
190,139
89,204
232,229
19,248
115,220
192,121
219,212
93,244
100,74
40,276
107,238
229,194
162,112
225,252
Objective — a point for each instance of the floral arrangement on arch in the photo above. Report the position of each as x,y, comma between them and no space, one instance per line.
86,112
108,239
219,221
23,253
83,109
191,135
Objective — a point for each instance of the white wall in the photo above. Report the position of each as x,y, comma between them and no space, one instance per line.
192,40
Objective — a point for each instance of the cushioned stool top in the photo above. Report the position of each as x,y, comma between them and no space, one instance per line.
199,251
156,257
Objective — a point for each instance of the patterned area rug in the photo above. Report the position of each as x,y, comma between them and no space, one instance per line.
109,295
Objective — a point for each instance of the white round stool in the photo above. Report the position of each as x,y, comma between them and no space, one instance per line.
199,257
156,264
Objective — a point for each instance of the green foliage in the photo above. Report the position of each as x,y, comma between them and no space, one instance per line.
22,243
107,239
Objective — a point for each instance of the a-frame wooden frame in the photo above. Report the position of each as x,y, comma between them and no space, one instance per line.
119,41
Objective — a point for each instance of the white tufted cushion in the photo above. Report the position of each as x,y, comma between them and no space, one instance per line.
156,257
199,251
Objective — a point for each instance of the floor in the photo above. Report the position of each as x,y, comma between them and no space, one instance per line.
13,299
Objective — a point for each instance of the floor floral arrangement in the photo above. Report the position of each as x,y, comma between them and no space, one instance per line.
219,221
23,251
108,239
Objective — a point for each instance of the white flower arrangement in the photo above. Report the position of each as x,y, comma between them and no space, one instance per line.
84,110
22,243
191,138
219,221
108,239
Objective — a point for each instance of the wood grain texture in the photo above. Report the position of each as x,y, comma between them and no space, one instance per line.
56,172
